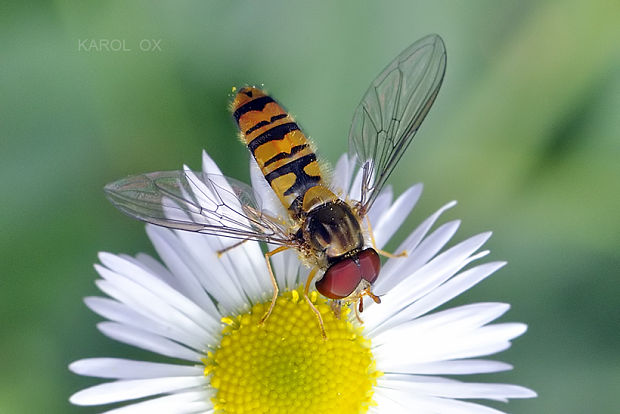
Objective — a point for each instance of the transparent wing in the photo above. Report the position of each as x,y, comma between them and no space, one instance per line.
199,202
392,110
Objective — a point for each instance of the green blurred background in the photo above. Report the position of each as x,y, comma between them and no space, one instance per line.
524,134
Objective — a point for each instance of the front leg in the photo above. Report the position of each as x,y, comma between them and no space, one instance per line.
314,309
274,282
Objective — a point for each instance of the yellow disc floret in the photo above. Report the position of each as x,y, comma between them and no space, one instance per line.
285,365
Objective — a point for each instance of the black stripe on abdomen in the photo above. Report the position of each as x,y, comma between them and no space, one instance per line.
284,155
257,104
264,123
257,126
276,133
303,181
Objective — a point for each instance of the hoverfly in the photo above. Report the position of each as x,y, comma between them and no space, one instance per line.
326,230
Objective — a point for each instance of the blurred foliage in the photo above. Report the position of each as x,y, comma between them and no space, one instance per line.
525,134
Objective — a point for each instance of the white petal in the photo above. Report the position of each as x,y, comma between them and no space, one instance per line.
234,261
444,344
120,312
156,268
185,403
205,197
355,193
468,316
117,368
184,280
379,207
158,288
455,320
464,317
439,296
422,403
131,389
250,267
245,264
213,279
398,269
455,389
286,264
391,219
341,177
452,367
286,267
208,165
409,245
192,402
422,282
269,201
148,341
387,404
237,275
229,207
157,306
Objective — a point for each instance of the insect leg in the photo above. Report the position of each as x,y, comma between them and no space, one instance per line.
382,252
314,309
371,295
359,309
232,246
273,282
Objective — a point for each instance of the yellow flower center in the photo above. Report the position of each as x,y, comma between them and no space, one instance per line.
285,366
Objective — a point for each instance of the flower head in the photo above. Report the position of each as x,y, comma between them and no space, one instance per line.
203,310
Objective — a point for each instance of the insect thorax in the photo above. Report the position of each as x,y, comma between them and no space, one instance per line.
333,229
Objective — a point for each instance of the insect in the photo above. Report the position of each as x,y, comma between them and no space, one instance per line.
331,234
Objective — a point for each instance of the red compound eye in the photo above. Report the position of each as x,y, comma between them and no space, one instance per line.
340,279
369,265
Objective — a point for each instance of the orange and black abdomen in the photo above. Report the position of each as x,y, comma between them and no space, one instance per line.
281,150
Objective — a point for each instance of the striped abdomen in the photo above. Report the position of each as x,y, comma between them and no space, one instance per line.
281,150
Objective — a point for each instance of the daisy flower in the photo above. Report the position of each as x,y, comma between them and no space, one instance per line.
201,311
